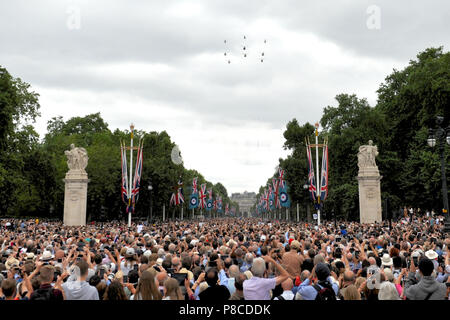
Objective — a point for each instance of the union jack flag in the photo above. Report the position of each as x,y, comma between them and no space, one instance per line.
276,192
202,196
194,185
266,200
137,176
281,178
124,187
226,209
324,175
311,180
177,197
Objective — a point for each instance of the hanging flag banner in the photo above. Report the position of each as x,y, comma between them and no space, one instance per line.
284,197
202,196
177,197
193,201
311,180
219,205
324,174
209,203
137,176
276,193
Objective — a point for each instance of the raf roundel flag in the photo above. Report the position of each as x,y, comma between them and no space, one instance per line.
284,197
209,205
193,201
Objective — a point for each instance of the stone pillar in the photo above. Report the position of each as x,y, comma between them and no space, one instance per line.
75,198
369,185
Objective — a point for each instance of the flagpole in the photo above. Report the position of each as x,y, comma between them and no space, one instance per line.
131,175
164,212
317,170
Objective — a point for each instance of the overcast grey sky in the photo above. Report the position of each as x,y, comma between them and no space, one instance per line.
161,65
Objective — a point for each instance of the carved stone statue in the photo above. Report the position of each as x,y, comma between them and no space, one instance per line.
366,155
77,158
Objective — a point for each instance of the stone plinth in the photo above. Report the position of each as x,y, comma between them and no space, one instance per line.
75,198
369,195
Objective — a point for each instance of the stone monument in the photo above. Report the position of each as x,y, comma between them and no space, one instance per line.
369,184
75,196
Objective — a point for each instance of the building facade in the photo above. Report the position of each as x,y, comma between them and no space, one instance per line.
245,200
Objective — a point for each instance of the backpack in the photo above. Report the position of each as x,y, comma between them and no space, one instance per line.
280,297
324,294
42,294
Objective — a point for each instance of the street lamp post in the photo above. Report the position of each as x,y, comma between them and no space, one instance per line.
150,188
441,135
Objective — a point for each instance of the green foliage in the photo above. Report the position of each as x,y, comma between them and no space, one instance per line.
408,102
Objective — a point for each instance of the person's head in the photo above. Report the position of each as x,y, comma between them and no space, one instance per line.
9,288
322,271
233,271
176,264
84,269
319,258
372,261
239,282
46,274
172,289
426,266
295,246
167,263
351,293
304,275
161,277
212,277
258,267
249,258
115,291
349,277
186,262
101,288
147,287
287,284
388,291
98,258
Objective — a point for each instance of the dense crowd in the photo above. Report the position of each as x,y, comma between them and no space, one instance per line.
225,259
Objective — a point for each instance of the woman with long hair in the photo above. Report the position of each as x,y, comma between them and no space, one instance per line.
147,288
115,291
172,290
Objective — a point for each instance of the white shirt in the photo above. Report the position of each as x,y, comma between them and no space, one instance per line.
287,295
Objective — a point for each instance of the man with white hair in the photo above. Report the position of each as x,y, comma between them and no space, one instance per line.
258,287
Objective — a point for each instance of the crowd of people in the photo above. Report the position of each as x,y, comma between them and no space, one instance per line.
225,259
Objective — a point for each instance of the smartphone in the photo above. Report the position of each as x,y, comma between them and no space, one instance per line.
102,273
125,279
135,267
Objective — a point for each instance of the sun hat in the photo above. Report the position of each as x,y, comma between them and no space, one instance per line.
11,263
130,252
30,256
386,260
47,255
147,253
159,261
263,237
431,254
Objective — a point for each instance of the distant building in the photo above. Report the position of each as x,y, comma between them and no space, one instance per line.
245,200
